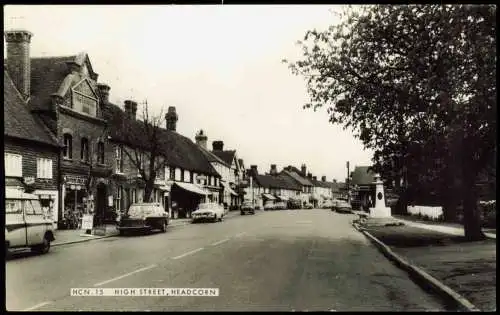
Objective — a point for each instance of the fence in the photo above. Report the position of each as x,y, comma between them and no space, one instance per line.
433,213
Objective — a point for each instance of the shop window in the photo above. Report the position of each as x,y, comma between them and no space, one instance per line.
100,152
43,168
68,146
13,165
84,150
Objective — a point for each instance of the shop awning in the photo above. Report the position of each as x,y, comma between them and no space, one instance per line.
282,198
192,188
268,196
226,186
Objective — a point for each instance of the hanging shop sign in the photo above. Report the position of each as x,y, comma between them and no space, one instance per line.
30,180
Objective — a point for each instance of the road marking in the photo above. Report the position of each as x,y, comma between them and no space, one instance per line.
188,253
220,242
240,234
125,275
36,306
307,222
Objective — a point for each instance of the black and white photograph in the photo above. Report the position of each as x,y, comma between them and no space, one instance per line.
249,158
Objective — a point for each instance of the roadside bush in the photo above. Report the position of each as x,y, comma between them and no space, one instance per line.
488,212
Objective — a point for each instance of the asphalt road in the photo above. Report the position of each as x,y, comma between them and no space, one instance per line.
302,260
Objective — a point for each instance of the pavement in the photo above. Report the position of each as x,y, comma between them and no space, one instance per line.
439,256
64,237
289,260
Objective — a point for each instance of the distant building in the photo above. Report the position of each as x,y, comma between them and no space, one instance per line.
300,177
362,187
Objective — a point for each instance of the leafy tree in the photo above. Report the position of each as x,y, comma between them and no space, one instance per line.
412,81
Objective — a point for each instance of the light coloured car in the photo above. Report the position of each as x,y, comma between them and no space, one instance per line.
308,206
209,211
342,206
247,207
280,206
328,204
269,205
26,225
144,217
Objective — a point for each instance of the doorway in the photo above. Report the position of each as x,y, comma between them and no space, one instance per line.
100,204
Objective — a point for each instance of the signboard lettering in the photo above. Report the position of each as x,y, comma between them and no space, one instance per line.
78,180
87,221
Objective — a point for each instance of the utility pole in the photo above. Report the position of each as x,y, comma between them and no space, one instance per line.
348,184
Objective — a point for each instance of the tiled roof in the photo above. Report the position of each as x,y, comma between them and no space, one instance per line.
179,151
226,156
362,176
47,75
279,181
301,180
212,157
19,122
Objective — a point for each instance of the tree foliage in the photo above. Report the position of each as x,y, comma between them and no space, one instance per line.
416,83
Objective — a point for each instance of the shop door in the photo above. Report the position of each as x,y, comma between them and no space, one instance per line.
100,203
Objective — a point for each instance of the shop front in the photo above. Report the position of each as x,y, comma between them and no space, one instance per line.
185,198
77,201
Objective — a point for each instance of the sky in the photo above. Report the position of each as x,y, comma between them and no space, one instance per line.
220,66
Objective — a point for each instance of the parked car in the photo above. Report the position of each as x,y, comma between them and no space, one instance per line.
342,206
280,206
294,204
269,205
144,217
327,204
247,207
209,211
308,205
26,225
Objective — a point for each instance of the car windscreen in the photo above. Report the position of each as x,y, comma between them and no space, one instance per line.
205,206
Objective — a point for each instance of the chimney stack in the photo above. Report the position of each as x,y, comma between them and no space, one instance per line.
103,93
253,170
218,145
171,117
315,178
18,59
303,170
274,170
323,178
309,175
131,109
201,139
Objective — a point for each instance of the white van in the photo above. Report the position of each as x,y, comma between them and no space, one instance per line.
26,225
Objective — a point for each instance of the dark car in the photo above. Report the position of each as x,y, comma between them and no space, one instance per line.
247,207
144,217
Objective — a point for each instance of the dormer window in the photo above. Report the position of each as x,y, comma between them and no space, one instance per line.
84,100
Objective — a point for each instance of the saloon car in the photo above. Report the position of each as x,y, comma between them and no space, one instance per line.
144,217
342,206
247,207
210,211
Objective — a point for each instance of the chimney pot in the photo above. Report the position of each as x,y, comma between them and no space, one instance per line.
171,117
315,178
303,170
201,139
103,93
218,145
323,178
18,59
131,109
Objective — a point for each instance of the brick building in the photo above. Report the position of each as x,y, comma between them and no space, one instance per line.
31,153
62,92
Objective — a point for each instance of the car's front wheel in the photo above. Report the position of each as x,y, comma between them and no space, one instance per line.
164,227
215,218
42,248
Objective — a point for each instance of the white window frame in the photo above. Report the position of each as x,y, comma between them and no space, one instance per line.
13,164
119,159
68,146
177,174
44,168
118,198
187,176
